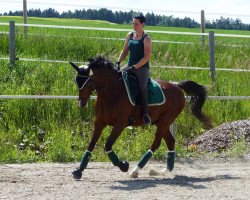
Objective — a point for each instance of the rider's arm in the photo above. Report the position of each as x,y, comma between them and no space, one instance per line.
125,49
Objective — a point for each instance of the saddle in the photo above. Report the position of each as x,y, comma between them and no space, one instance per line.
156,96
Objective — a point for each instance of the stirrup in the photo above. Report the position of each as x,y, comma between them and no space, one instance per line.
146,119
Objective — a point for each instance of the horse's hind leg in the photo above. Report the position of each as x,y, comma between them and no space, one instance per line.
155,145
170,141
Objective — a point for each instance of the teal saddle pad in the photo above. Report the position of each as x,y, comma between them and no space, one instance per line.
155,93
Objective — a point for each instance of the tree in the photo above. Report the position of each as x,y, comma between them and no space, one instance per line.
50,13
34,13
67,14
126,17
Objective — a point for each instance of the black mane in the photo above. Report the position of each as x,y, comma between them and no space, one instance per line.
101,62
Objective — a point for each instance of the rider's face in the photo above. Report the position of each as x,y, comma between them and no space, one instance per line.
137,25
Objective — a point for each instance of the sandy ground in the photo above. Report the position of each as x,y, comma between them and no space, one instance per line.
201,179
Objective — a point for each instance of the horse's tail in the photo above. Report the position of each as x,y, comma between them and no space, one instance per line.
198,95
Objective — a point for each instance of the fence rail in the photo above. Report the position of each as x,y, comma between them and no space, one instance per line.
94,97
122,39
172,126
123,30
154,66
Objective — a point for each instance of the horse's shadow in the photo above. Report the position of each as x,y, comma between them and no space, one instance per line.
181,181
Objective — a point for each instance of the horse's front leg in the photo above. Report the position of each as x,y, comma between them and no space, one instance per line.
116,132
98,127
170,141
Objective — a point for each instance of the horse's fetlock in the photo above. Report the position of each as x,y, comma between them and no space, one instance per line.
170,160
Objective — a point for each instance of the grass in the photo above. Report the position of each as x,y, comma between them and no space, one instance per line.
238,149
55,130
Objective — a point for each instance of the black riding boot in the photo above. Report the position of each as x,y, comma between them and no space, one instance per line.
144,106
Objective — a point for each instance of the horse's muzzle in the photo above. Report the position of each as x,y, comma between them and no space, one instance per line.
82,103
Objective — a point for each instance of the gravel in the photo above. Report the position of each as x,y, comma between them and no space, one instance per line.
191,179
224,136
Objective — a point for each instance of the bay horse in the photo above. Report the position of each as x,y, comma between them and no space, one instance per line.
112,108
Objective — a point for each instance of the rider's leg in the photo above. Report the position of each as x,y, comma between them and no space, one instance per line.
143,75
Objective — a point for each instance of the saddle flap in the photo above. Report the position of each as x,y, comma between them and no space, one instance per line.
155,94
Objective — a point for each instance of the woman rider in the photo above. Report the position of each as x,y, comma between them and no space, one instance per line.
139,44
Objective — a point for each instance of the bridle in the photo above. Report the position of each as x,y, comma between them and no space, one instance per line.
85,82
90,79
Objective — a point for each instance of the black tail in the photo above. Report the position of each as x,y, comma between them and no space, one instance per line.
198,96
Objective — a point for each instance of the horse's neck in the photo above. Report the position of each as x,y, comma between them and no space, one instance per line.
104,83
113,95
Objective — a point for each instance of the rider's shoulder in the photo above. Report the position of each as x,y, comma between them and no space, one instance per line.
147,37
129,34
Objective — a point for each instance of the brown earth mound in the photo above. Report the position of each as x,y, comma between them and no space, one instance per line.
224,136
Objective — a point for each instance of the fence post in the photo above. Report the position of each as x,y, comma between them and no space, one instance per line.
25,29
202,27
212,54
12,44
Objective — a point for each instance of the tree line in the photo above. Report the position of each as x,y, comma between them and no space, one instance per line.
121,17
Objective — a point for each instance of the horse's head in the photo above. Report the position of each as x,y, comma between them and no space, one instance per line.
97,75
83,82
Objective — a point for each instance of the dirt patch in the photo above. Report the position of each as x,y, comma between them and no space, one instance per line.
202,179
224,136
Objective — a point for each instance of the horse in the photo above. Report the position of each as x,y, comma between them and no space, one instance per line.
113,108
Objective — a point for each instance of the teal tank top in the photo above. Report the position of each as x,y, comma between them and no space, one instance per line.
136,49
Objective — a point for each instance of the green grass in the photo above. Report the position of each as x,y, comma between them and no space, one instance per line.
55,130
238,149
73,44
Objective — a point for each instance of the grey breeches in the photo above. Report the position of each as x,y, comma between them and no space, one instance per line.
142,74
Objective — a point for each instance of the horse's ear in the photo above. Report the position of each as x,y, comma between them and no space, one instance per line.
90,72
75,66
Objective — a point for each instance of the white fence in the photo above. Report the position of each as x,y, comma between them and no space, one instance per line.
123,30
172,127
12,56
161,66
94,97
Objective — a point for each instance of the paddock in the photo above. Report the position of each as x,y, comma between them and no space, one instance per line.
191,179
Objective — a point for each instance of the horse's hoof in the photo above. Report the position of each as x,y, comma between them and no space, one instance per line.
134,174
170,161
154,172
124,165
77,174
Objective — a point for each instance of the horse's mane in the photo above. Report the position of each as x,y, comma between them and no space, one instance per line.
101,62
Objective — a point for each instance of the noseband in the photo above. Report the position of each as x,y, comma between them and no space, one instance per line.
81,85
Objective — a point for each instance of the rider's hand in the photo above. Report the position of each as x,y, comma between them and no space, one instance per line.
130,70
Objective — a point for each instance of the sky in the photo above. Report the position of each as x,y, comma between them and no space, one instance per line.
178,8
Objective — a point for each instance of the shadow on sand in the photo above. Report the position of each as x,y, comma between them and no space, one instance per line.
181,181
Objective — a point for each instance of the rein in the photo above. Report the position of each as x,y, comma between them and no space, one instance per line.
98,91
